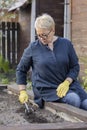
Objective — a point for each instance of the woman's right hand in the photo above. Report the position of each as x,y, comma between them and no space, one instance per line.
23,97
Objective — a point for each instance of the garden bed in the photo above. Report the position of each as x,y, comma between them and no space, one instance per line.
13,113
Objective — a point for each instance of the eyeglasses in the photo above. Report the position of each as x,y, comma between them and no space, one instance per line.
44,35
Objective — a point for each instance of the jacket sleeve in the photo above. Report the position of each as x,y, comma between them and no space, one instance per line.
73,63
24,66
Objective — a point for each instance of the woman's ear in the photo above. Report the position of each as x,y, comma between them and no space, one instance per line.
53,29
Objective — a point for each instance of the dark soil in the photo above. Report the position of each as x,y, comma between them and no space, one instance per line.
13,113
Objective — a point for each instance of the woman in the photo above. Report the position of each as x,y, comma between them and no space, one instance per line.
55,68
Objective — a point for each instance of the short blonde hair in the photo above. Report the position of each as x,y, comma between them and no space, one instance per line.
44,21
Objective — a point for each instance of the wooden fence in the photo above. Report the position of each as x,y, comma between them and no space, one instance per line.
9,41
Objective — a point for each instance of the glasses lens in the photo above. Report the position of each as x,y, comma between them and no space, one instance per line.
44,35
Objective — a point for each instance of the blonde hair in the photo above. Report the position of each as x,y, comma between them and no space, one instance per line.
44,21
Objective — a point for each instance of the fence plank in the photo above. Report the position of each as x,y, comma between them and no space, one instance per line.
13,43
18,42
3,39
9,41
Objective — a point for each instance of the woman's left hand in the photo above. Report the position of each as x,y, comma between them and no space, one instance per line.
63,88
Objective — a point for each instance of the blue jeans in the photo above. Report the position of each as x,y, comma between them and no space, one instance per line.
74,100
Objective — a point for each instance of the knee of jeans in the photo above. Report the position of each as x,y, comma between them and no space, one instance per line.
73,99
84,104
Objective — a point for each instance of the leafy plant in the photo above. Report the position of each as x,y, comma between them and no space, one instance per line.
5,81
84,78
6,78
4,65
4,13
83,60
29,85
1,62
4,4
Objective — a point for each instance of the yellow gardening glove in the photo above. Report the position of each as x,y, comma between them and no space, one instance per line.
63,88
23,97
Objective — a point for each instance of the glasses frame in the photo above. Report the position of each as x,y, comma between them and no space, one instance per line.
44,35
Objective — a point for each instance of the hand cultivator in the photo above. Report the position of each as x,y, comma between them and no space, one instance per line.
28,110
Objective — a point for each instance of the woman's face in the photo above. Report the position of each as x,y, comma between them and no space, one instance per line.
45,36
